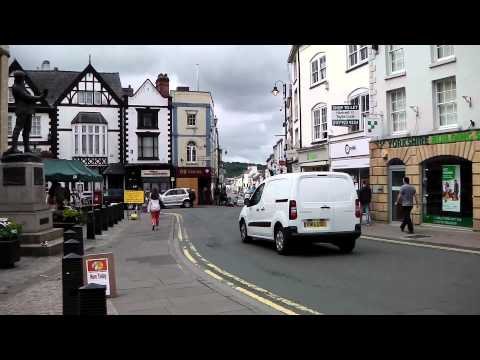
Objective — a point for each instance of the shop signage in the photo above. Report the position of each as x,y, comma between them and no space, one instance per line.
448,220
345,115
349,148
451,188
99,269
432,139
455,137
133,197
156,173
193,172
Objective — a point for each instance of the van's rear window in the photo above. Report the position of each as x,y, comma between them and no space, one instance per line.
324,189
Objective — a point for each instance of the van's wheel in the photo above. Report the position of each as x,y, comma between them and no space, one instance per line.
187,204
282,241
243,232
346,246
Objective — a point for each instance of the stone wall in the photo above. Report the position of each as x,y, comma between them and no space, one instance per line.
413,156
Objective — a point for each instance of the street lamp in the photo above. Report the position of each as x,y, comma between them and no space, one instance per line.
275,92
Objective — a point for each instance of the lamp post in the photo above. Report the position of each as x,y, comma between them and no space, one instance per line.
275,92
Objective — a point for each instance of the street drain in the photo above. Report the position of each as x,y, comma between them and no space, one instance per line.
417,236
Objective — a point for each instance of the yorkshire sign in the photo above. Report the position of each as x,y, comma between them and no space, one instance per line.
431,139
345,115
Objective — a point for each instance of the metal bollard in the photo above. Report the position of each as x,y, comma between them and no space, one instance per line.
79,231
92,299
104,218
98,221
115,214
72,279
110,215
73,246
69,234
90,225
122,211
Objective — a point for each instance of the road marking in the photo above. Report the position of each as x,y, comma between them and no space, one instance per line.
422,245
189,257
212,274
239,280
266,301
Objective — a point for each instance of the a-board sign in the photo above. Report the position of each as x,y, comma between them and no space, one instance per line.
100,269
345,115
133,197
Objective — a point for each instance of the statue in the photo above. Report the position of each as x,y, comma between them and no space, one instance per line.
25,108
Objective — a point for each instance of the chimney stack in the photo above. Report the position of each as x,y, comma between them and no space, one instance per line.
163,85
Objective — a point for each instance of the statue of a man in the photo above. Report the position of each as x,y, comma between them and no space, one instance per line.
24,109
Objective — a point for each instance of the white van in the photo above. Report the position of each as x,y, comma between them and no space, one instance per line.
312,206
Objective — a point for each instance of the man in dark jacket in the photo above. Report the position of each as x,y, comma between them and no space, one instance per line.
365,197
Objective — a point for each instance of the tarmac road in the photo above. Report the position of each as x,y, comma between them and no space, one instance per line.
377,278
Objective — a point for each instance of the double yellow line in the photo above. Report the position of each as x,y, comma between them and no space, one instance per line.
274,301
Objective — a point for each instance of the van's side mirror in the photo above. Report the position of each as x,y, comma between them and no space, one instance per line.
246,202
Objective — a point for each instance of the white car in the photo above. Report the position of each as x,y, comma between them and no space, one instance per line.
176,197
311,206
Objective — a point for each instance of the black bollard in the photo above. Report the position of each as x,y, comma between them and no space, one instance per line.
98,221
72,279
122,211
104,218
72,246
90,225
115,214
110,215
92,299
69,234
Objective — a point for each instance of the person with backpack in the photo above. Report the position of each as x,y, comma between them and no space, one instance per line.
153,208
365,197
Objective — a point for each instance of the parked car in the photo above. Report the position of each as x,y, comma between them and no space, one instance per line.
313,206
176,197
113,195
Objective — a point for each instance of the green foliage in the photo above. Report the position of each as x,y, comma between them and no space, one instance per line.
9,229
234,169
72,215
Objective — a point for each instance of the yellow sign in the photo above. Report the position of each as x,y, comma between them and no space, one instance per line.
133,197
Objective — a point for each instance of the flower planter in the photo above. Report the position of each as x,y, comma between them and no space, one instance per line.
9,252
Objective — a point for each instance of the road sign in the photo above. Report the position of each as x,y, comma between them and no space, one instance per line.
133,197
345,115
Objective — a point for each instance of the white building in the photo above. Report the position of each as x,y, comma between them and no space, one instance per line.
82,117
427,128
149,136
279,158
322,76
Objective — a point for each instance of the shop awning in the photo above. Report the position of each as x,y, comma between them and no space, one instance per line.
69,170
115,169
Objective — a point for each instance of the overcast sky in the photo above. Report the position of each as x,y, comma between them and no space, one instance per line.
240,79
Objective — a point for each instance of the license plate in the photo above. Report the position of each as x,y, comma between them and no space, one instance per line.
316,223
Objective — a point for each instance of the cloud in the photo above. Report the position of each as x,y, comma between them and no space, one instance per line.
240,79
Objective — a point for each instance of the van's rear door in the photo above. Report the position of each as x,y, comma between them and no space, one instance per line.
325,204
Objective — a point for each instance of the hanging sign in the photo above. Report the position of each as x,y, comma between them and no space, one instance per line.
345,115
133,197
451,188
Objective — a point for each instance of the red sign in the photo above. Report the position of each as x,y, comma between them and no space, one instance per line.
97,265
193,172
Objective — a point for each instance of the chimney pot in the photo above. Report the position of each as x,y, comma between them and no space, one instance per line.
163,85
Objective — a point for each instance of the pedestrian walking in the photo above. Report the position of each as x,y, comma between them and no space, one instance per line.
365,197
153,208
407,199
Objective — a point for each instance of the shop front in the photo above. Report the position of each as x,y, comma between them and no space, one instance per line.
313,158
199,179
445,170
148,176
351,156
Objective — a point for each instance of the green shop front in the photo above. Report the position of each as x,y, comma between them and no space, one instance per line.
445,170
314,158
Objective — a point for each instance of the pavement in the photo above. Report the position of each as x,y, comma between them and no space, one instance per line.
432,235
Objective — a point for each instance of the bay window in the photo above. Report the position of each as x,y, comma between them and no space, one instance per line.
87,140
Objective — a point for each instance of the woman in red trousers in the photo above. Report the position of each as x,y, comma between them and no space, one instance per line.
154,208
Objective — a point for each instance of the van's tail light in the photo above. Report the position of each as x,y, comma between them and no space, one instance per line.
292,210
358,210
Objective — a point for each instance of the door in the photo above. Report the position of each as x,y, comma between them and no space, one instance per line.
169,197
255,211
275,200
180,196
396,173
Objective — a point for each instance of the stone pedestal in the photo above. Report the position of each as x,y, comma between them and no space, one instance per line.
23,199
